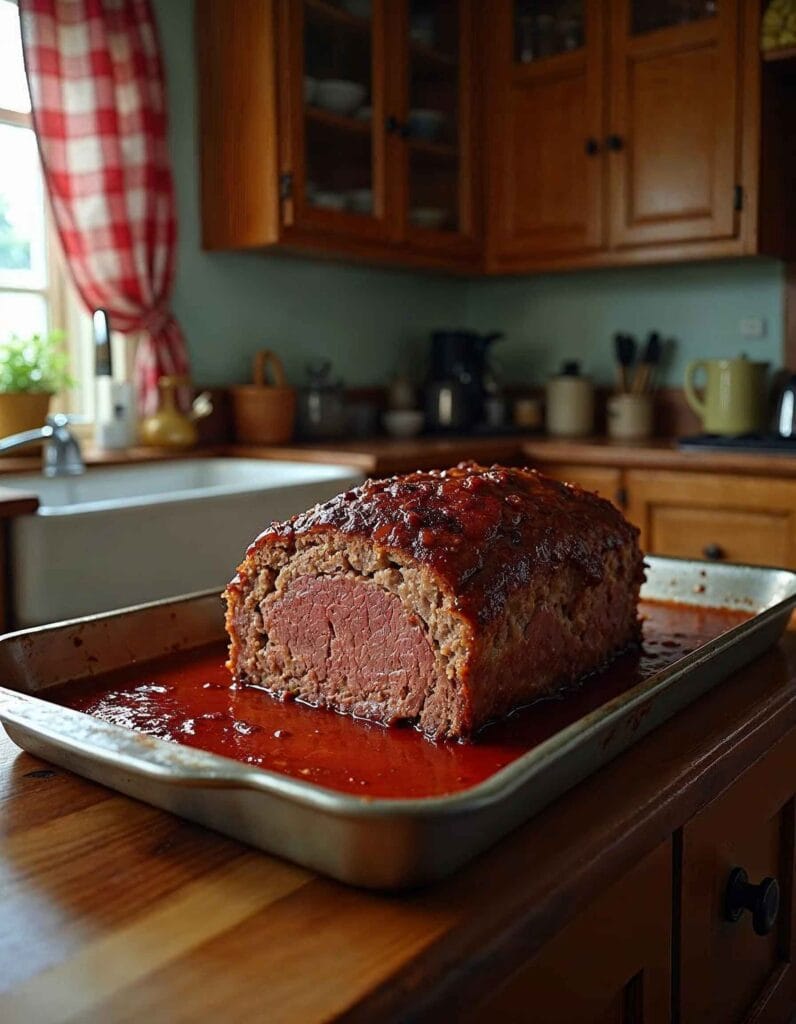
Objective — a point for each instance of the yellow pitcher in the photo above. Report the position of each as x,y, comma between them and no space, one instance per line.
733,398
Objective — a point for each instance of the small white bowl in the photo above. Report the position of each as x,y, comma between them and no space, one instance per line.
425,124
428,216
360,200
310,89
339,96
403,422
329,200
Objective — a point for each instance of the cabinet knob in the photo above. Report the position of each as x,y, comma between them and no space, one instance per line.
592,147
762,900
713,552
615,143
396,127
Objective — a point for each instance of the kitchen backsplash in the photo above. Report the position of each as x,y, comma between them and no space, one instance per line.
374,322
574,316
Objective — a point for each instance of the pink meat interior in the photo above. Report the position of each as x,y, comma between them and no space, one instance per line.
349,644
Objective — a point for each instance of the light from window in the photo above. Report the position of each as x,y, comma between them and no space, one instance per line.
35,294
13,84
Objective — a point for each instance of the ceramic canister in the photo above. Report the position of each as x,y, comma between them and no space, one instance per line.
569,406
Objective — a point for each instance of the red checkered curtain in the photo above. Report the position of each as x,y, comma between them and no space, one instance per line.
98,102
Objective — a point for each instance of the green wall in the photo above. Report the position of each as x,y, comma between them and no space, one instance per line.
373,322
553,317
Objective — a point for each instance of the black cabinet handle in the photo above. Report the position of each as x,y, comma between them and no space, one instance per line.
615,143
396,127
762,900
592,147
713,552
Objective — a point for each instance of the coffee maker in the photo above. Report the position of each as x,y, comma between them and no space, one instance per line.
458,379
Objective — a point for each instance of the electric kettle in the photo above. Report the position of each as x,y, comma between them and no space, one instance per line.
785,418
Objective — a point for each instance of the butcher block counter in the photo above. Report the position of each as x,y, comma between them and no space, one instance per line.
606,907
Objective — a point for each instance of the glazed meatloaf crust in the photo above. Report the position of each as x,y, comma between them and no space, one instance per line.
444,599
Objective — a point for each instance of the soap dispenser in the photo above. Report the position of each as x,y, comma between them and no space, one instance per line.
114,415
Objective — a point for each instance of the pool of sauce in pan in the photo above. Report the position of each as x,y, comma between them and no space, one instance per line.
189,699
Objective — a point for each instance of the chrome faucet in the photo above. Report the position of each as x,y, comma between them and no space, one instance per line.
62,455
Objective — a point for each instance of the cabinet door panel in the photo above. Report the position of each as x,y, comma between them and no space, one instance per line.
759,538
602,480
547,167
439,180
728,972
610,965
333,161
735,518
674,129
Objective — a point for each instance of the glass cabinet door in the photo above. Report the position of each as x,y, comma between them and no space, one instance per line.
336,179
438,120
546,28
650,15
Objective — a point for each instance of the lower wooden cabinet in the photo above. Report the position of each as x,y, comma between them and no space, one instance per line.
728,973
717,516
658,944
603,480
610,965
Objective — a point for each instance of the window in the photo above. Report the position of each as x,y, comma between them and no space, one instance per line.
35,293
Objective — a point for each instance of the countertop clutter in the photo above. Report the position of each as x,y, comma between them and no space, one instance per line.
192,927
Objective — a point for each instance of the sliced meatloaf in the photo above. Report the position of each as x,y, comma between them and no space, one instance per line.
444,599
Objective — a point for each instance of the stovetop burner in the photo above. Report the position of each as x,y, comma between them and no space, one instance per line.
762,443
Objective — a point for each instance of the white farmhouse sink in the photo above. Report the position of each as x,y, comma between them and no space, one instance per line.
119,536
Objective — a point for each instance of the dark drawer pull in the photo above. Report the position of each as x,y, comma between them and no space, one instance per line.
592,147
615,143
714,552
762,900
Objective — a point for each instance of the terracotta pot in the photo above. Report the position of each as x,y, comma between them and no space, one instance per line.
22,410
264,413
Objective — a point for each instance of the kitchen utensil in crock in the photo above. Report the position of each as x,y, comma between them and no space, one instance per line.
264,413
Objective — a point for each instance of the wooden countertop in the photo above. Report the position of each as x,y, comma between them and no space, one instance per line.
112,911
384,455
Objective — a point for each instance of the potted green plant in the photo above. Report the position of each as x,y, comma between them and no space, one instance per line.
31,371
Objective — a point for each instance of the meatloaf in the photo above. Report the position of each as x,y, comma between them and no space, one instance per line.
443,599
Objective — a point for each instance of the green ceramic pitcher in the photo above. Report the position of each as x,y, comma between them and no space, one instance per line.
732,400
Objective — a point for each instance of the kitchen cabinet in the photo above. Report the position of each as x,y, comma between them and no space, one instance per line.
343,127
546,96
618,949
673,125
648,133
603,480
728,971
685,514
592,132
718,516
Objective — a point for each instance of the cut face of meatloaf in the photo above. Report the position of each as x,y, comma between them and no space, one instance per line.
443,599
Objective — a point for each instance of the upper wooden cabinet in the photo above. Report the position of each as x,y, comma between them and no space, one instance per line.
340,126
635,136
546,81
581,132
673,125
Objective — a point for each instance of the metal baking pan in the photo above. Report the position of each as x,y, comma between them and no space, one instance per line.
378,843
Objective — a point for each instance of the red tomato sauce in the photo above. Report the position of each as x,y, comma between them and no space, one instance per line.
190,699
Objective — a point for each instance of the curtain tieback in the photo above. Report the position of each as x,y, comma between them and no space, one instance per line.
156,319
